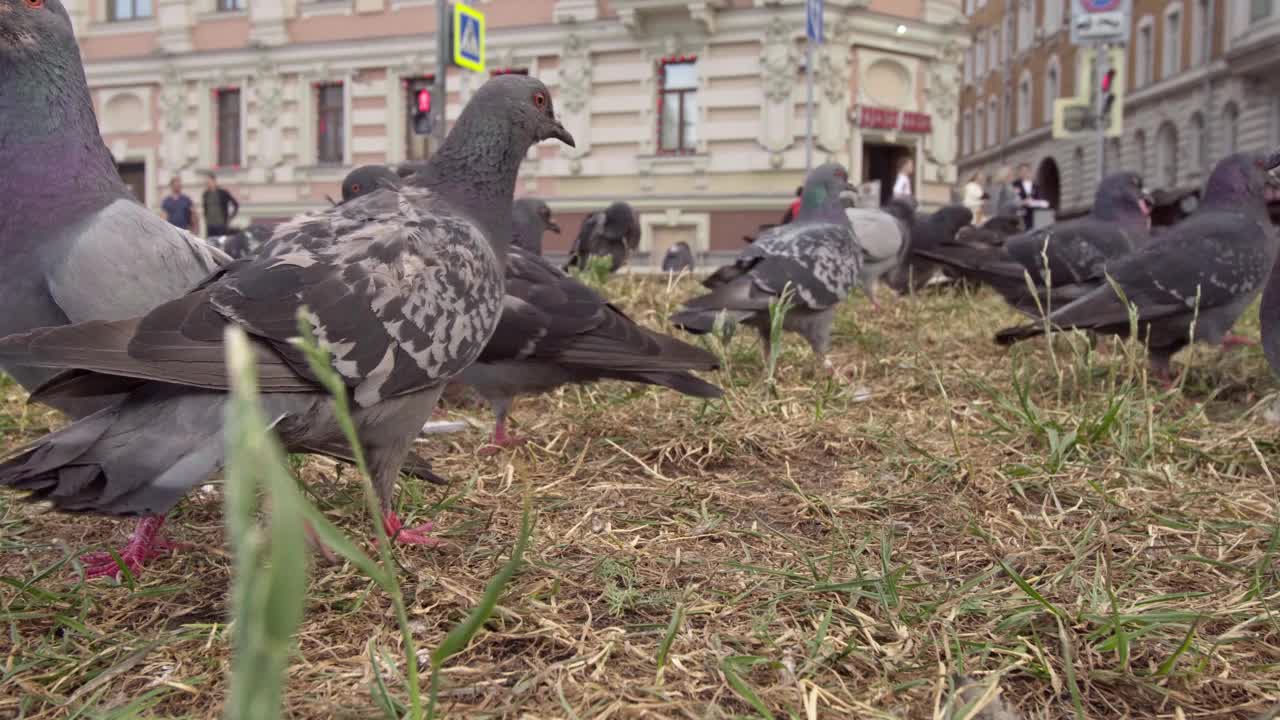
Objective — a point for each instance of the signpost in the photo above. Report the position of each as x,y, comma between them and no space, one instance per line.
813,35
1100,24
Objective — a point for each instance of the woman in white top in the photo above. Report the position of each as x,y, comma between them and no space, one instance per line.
975,195
902,186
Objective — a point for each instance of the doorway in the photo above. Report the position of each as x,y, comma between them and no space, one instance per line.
134,174
880,162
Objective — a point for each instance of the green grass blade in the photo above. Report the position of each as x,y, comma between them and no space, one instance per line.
729,668
669,637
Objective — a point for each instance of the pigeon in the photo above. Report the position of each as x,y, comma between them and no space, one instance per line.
928,230
1074,252
884,239
244,243
815,260
678,258
532,219
1196,281
76,245
555,331
402,286
367,178
613,232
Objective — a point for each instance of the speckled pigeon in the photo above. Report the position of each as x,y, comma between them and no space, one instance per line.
678,258
556,331
816,256
1075,252
404,288
613,232
75,245
1199,277
532,219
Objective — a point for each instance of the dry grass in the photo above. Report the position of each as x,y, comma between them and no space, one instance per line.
950,513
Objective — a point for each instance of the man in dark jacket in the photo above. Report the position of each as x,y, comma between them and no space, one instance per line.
219,208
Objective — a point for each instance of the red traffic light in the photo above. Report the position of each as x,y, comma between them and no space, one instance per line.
424,100
1106,80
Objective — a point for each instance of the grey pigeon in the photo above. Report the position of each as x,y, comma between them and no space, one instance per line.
816,257
532,219
75,245
927,230
403,286
367,178
1196,281
613,232
1074,252
884,239
678,258
556,331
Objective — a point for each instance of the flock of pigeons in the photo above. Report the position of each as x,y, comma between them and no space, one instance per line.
423,278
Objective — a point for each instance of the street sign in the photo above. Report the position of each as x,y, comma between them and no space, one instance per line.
1100,21
468,38
813,20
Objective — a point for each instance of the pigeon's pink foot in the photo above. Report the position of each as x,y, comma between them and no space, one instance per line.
501,441
144,545
1231,342
408,536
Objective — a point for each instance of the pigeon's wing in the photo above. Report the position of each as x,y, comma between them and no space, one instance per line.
879,234
1210,260
584,243
1076,251
123,262
819,261
401,303
542,310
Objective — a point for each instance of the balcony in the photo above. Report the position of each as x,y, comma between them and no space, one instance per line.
636,14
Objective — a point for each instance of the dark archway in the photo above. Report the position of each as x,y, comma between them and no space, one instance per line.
1050,182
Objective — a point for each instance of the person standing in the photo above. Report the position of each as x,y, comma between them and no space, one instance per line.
975,196
1028,194
1004,200
220,207
178,208
902,184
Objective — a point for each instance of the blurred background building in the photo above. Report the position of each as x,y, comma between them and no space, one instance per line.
1202,81
693,111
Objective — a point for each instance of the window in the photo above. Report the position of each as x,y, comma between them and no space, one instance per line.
128,10
1172,62
993,48
1026,24
416,147
678,106
1231,129
980,47
1140,147
1261,9
980,127
1024,102
1200,44
227,102
1115,156
1199,143
968,65
1008,37
330,123
966,133
1051,89
968,7
231,5
1007,119
1167,155
1052,16
1143,53
993,121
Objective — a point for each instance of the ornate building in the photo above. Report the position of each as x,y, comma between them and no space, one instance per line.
694,112
1201,81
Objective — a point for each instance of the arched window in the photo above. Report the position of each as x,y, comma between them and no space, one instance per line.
966,133
1199,138
1140,148
1167,155
1024,102
1230,128
1115,156
1052,86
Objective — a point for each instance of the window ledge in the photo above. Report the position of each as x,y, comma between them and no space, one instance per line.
216,15
122,27
320,8
672,163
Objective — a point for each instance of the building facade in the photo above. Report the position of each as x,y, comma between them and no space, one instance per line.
1202,82
694,112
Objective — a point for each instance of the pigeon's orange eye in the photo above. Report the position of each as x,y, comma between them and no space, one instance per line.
37,4
355,188
539,100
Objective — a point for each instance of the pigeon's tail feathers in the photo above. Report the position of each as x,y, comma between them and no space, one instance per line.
738,300
1012,335
728,273
701,322
684,383
135,458
620,348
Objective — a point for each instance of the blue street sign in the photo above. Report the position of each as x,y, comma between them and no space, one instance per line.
813,20
468,38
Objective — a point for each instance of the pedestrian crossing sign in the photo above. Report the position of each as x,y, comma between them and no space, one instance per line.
468,38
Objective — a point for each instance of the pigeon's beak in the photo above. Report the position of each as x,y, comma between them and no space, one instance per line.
1146,202
559,133
553,227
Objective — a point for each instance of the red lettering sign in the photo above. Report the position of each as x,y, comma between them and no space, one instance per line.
875,118
916,123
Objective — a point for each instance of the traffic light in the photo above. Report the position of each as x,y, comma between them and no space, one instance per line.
1108,97
422,112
